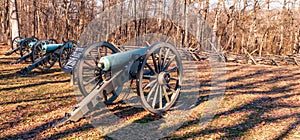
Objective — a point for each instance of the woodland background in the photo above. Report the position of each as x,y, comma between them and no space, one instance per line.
260,27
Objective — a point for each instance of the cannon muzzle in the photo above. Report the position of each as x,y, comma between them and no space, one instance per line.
121,59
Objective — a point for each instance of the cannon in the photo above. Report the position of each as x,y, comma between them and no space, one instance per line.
157,70
45,55
16,42
35,52
21,46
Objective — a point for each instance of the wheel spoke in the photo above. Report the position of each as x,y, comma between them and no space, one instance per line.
99,52
149,84
160,66
166,56
151,91
88,75
172,70
90,81
149,77
89,68
95,60
154,63
165,94
173,78
169,63
151,68
39,48
160,97
105,51
170,87
155,96
90,65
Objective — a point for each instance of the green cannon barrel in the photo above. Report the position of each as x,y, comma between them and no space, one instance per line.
20,40
53,47
120,59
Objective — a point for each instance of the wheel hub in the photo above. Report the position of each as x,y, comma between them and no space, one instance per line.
163,78
97,72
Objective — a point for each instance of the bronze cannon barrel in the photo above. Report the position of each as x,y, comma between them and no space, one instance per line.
53,47
120,59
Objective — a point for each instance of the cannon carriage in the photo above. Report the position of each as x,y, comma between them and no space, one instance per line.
103,70
33,52
21,45
45,54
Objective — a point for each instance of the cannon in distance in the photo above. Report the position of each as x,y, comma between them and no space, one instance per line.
20,45
51,53
157,70
26,56
35,52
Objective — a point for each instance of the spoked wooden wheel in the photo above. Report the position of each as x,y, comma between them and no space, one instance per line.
89,74
159,78
37,52
15,43
66,52
52,41
24,48
24,45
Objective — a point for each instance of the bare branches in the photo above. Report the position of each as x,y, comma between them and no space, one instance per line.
252,24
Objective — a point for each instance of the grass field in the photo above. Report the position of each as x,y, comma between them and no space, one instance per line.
260,102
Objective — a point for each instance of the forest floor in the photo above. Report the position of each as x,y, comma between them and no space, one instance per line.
260,102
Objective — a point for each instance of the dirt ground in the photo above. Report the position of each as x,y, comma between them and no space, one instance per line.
260,102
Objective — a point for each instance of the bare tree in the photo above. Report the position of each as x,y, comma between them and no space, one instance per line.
250,24
14,21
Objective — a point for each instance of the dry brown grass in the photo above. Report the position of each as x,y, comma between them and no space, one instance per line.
260,102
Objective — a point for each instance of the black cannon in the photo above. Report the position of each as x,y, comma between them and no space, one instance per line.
103,69
35,51
21,46
46,55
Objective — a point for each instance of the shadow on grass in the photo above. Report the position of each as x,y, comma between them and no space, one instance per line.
290,128
257,107
67,132
37,99
30,134
30,74
35,84
264,103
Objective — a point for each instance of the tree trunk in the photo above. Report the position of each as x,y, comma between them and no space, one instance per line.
281,47
215,25
66,2
233,24
186,9
5,23
81,17
34,19
297,41
294,30
14,22
266,34
255,38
